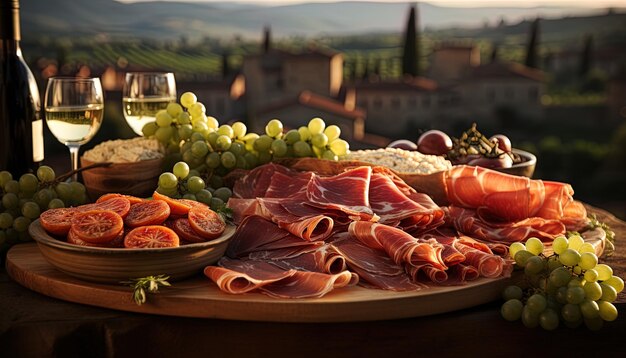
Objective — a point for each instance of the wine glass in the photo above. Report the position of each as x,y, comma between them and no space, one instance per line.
144,94
74,111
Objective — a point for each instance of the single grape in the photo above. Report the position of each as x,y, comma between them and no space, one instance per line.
200,127
302,149
164,134
223,142
569,257
607,311
560,244
522,256
560,277
318,151
29,183
512,310
216,203
575,295
534,245
575,242
279,148
274,128
576,282
340,147
168,181
586,247
45,173
332,132
616,282
263,143
292,136
223,193
319,140
305,133
188,157
197,109
55,204
163,119
195,184
216,181
181,170
190,196
174,109
571,313
31,210
591,275
212,123
204,196
512,292
77,188
561,295
184,118
553,263
537,303
21,223
199,149
172,193
228,160
237,148
588,261
5,176
593,291
515,247
149,129
329,155
594,324
241,163
185,131
239,130
609,293
64,191
6,221
12,186
251,159
589,308
604,272
316,125
264,157
534,265
549,320
213,160
187,99
10,201
530,319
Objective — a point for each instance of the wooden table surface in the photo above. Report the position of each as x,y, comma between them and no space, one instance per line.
33,325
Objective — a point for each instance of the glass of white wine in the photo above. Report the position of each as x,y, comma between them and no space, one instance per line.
144,94
74,111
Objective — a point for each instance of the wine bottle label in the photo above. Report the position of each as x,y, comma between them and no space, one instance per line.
38,152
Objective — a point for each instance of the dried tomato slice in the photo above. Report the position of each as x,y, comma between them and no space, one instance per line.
97,226
57,221
118,242
177,207
153,236
132,199
121,206
206,222
186,232
148,212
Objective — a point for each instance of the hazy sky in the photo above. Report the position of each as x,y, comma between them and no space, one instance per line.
464,3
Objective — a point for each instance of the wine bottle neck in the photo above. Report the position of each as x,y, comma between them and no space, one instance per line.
9,20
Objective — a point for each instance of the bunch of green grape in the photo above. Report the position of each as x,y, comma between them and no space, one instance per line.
568,286
24,199
185,183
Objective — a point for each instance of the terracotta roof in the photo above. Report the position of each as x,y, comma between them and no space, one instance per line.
312,100
409,84
506,70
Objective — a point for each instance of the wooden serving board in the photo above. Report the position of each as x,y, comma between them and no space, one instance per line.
199,297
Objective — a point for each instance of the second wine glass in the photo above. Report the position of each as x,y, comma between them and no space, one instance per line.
144,94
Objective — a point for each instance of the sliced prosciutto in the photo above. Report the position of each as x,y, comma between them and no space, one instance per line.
241,276
286,185
321,258
257,181
400,246
487,264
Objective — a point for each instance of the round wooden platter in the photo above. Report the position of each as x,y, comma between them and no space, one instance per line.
199,297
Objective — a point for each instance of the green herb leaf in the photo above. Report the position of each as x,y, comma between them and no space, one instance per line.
149,283
610,234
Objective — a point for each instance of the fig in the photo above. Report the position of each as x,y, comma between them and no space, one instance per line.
403,144
434,142
504,143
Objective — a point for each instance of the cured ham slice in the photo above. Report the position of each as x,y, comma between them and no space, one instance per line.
400,246
311,227
257,181
322,258
286,185
427,271
488,265
462,273
241,276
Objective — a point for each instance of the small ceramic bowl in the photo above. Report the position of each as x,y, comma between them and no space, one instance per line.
108,265
139,179
525,168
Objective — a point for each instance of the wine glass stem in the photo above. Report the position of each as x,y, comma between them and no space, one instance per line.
74,157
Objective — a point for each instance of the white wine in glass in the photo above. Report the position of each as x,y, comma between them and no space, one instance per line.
144,94
74,111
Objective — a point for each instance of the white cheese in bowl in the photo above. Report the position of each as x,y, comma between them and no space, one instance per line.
126,150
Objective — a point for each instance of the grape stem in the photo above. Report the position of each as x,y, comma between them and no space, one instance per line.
69,174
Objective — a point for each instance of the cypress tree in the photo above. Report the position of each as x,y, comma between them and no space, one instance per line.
586,56
266,39
410,52
494,53
533,44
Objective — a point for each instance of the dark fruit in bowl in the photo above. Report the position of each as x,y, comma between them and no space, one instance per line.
403,144
504,143
503,161
434,142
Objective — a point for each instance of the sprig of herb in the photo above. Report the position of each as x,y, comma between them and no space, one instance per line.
610,234
143,284
226,214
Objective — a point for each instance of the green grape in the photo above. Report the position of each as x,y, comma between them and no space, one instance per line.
290,153
318,151
607,311
63,190
604,272
530,319
174,109
265,157
616,282
56,203
44,196
575,242
195,184
164,134
575,282
6,221
190,196
29,183
77,188
560,244
223,142
589,308
199,149
223,193
305,133
149,129
593,291
560,277
319,140
594,324
591,275
330,155
512,292
216,203
5,176
204,196
163,119
241,163
561,295
263,143
188,157
212,122
251,159
571,313
239,130
197,109
228,160
512,310
302,149
187,99
186,146
292,136
534,245
200,127
213,160
168,181
181,170
184,118
521,257
340,147
12,186
195,172
332,132
185,131
577,270
226,130
609,294
249,139
10,201
316,125
279,148
237,148
31,210
534,265
216,181
575,295
212,139
569,257
172,192
21,223
588,261
553,263
549,320
537,303
274,128
515,247
45,173
586,247
199,118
